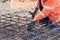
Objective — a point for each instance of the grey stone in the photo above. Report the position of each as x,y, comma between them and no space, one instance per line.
20,39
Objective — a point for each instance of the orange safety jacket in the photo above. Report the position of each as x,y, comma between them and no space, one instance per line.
51,10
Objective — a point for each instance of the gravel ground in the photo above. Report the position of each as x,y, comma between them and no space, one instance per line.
13,25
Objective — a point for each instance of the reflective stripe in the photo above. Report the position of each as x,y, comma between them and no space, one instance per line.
49,7
52,7
57,21
42,14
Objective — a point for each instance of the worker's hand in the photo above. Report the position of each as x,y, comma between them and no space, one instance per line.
30,25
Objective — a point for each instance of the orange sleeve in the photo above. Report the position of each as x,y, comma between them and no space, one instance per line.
38,17
46,11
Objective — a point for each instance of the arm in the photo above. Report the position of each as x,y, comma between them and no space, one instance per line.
49,5
42,14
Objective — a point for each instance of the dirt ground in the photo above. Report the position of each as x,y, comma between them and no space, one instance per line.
13,25
27,4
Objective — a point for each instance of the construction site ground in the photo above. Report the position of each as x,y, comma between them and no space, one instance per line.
14,22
